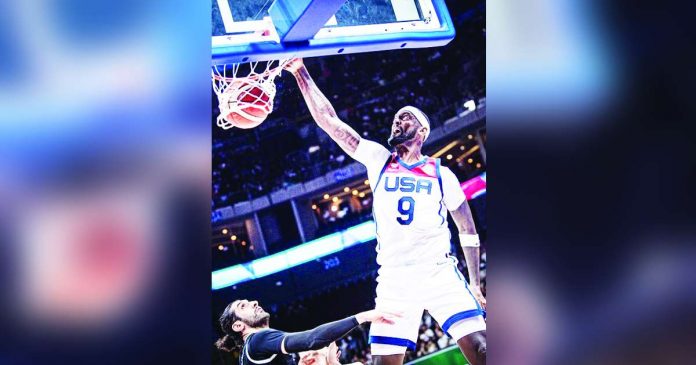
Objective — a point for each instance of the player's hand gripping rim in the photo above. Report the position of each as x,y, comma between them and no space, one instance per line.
294,65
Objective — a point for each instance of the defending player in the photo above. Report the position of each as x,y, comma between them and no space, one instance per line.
245,325
411,194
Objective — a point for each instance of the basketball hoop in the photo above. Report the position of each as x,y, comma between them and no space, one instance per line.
245,92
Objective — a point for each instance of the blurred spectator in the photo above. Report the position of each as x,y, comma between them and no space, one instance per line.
426,334
442,339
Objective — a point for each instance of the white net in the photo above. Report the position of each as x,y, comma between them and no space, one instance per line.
246,90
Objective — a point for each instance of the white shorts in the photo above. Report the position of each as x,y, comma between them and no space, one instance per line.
440,289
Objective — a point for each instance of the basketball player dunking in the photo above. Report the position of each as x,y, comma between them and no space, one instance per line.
411,196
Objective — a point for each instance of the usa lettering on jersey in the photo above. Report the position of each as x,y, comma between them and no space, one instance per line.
408,184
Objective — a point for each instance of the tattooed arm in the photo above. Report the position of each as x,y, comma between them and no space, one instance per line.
321,109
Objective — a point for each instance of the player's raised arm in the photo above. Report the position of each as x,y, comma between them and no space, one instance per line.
321,109
469,240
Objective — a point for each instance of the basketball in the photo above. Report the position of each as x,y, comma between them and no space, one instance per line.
250,104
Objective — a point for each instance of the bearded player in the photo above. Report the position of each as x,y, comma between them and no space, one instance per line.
411,196
246,326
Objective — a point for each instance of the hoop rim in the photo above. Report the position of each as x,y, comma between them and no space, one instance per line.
265,74
224,87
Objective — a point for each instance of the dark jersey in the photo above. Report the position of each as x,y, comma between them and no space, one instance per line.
263,347
266,346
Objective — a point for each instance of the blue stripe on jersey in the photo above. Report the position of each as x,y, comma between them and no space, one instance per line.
393,341
373,199
459,275
442,194
458,317
374,189
422,161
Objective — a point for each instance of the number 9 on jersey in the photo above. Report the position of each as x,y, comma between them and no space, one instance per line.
406,206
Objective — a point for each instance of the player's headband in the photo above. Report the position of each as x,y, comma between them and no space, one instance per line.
420,116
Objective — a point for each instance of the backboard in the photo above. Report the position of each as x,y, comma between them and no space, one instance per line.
246,30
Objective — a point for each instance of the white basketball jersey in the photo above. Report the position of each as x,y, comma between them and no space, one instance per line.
411,218
410,204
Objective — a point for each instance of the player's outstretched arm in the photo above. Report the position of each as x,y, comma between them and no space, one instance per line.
470,245
321,109
325,334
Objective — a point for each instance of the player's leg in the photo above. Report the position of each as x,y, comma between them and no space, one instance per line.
389,342
458,313
473,347
388,359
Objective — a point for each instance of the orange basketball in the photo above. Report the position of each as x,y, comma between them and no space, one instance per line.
253,106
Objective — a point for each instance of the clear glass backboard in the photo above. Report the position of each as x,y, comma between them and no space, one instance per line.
243,30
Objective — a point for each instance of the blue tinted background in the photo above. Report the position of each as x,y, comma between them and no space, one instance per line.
105,125
590,193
